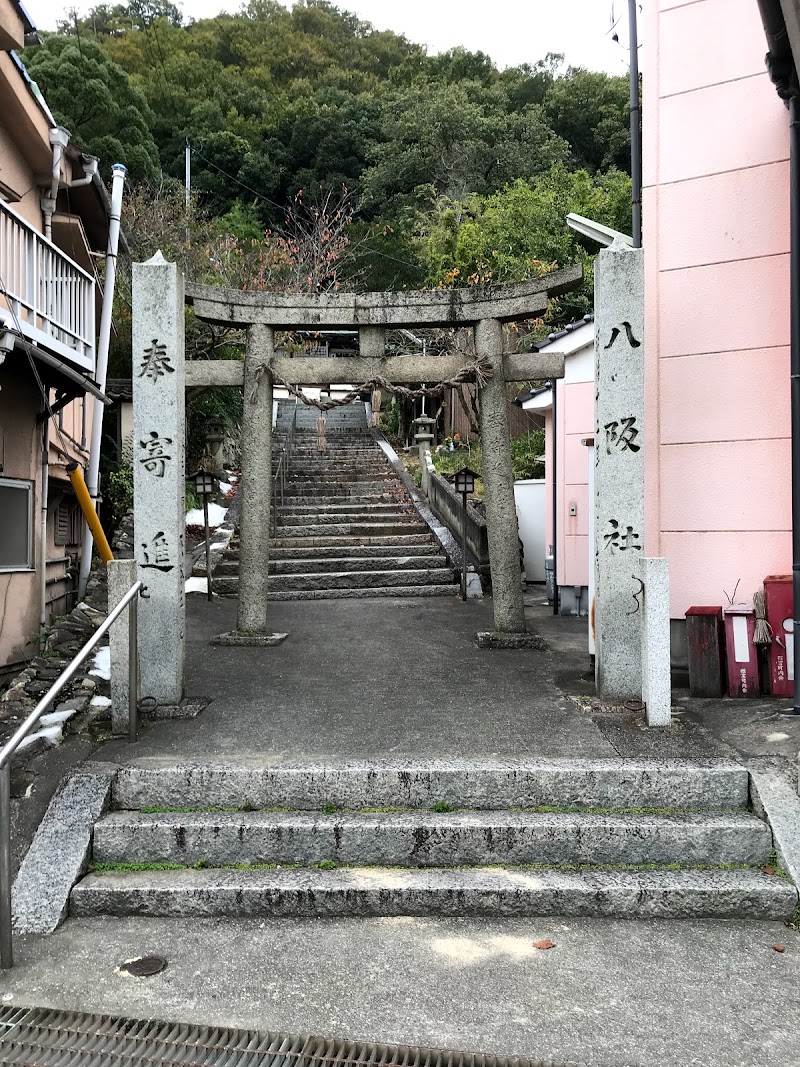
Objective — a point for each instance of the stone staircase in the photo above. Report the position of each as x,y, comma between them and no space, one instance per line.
348,526
526,838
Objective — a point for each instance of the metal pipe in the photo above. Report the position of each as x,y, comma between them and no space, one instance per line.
118,182
133,669
636,130
794,274
90,514
6,941
43,524
463,545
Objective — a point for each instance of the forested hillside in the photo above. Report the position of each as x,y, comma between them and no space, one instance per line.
457,172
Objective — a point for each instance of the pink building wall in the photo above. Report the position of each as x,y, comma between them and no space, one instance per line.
716,237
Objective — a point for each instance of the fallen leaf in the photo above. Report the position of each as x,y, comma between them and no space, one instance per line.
544,944
768,870
779,948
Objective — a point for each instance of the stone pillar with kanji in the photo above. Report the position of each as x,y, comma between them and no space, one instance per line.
619,470
159,474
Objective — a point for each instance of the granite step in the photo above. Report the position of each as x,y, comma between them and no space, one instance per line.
402,592
338,541
392,513
353,529
430,839
376,891
351,552
612,784
355,579
334,565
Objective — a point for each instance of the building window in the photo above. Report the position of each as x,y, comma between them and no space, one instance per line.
69,523
16,525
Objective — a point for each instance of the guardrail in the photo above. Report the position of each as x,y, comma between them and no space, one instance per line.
130,602
50,298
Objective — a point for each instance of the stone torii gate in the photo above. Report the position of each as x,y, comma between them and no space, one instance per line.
160,374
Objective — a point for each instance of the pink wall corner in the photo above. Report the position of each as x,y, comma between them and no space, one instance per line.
739,215
744,557
736,49
726,486
726,307
723,127
548,478
652,363
725,396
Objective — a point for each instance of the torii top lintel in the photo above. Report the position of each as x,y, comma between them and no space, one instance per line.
437,307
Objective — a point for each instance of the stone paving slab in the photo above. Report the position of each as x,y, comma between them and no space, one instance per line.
60,850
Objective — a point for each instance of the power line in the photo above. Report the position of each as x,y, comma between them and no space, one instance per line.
230,177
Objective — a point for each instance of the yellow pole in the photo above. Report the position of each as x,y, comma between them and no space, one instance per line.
85,501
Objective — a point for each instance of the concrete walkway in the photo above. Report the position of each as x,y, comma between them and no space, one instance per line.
369,678
400,678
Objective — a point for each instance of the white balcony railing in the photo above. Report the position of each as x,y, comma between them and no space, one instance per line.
44,294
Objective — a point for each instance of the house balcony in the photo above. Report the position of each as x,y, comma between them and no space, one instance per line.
45,297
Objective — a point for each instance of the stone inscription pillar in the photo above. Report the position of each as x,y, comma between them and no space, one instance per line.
256,485
498,480
159,474
619,469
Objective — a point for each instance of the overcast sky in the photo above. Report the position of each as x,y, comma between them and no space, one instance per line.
511,31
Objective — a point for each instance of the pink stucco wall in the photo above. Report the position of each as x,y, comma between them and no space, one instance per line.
716,237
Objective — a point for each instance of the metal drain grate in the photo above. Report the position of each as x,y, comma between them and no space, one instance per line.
42,1037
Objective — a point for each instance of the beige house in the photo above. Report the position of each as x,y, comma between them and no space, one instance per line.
53,224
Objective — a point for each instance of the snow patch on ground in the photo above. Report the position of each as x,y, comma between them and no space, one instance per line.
772,738
50,733
101,702
102,663
216,516
225,487
196,585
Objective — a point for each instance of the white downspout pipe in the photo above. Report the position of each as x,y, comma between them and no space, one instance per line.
118,181
59,139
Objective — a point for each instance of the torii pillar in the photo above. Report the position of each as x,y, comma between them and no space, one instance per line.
498,479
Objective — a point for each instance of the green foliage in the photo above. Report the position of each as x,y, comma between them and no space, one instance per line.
526,453
93,97
519,232
119,486
275,100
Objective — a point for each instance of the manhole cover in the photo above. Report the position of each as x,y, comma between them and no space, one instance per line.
143,966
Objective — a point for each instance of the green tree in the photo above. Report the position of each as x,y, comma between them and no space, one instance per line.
520,232
93,98
591,110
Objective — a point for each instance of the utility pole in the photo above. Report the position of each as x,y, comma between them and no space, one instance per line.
188,188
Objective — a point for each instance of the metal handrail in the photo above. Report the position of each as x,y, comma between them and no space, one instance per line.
130,601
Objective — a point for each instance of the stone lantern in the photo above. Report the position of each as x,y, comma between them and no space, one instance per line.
215,445
424,436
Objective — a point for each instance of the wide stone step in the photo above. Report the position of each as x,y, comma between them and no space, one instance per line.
338,565
349,507
428,839
339,541
391,513
375,891
353,552
352,529
481,785
356,579
366,593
